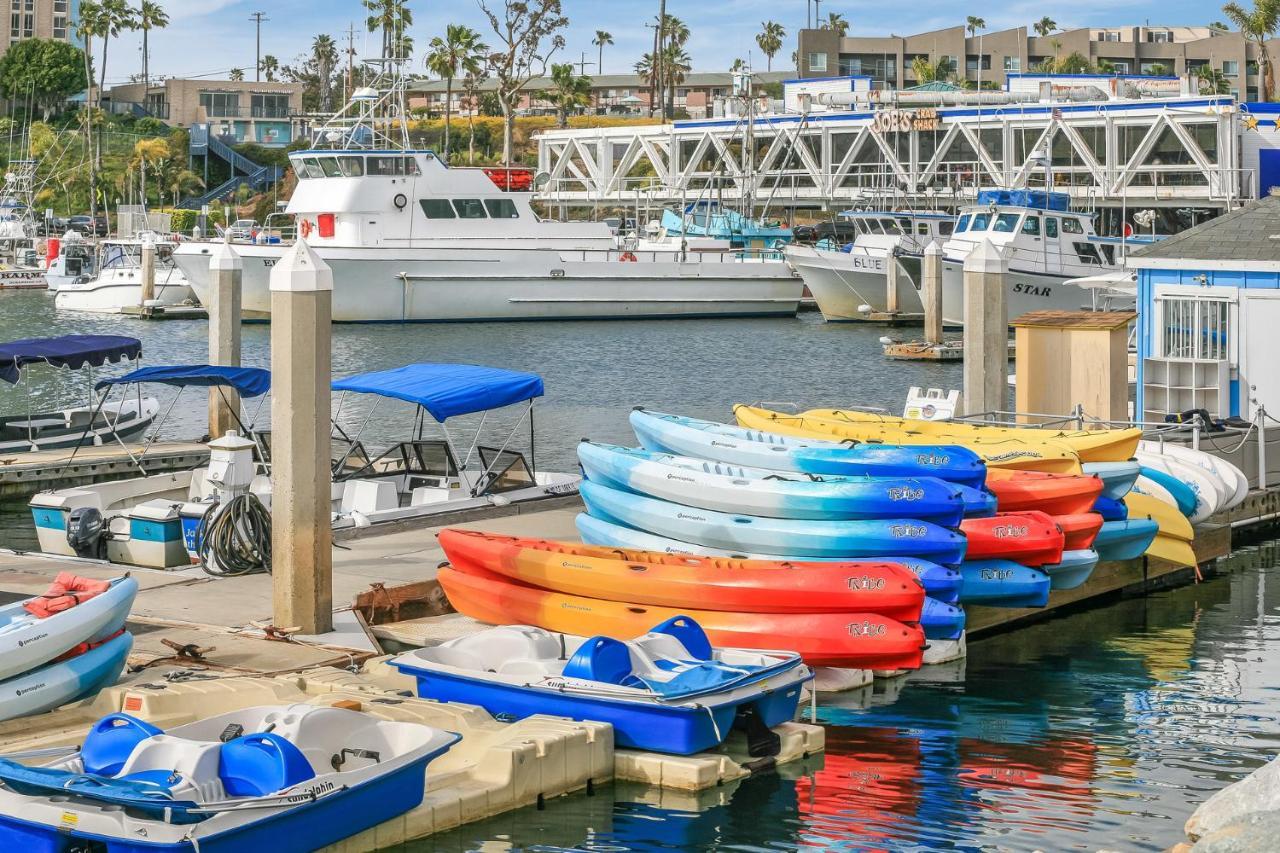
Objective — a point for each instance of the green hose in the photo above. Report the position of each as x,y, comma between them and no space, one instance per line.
237,541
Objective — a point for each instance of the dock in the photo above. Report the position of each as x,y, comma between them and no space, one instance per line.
24,474
165,312
925,351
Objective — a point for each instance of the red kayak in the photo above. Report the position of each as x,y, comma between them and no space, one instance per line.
1056,494
1080,529
854,640
1029,538
686,581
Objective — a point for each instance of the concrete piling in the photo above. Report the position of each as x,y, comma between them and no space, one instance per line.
148,272
986,330
301,532
227,271
891,273
931,292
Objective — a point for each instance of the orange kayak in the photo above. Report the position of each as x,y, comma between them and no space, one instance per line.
1056,494
854,640
686,581
1080,529
1031,538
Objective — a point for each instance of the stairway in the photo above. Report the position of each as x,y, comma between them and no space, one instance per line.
243,170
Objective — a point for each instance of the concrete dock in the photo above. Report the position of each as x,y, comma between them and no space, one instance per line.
24,474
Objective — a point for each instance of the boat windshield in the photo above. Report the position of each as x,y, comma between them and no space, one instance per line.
1005,222
962,224
981,221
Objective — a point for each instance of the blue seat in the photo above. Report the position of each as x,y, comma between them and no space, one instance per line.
260,764
111,741
602,659
689,633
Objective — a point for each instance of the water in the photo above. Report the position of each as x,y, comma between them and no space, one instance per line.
1102,729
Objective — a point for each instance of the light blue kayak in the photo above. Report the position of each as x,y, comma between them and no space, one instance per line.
1183,494
758,449
1117,477
882,538
1125,540
939,582
1003,583
27,642
730,488
58,683
1075,569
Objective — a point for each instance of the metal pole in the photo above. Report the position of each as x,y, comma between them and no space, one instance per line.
258,18
1262,446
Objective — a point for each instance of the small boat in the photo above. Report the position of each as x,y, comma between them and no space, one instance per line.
688,581
1117,477
73,611
1125,540
705,218
759,448
116,284
668,690
784,537
939,582
724,487
285,778
1029,538
854,640
1003,583
1172,523
1072,570
1056,494
77,674
71,259
1079,529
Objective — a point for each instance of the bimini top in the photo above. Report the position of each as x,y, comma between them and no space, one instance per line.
447,390
73,351
249,381
1026,198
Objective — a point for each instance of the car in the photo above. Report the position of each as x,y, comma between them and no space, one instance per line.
89,226
55,227
244,229
839,231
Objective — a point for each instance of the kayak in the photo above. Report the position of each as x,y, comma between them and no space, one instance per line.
782,537
1079,529
756,491
854,640
1111,509
66,679
1072,570
1056,494
1003,583
812,455
1029,538
1117,477
1236,485
28,640
941,621
1172,523
1208,492
1172,550
939,582
997,453
1159,483
1103,445
1125,540
687,581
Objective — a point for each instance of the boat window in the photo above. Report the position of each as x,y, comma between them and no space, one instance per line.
386,167
1051,227
1108,252
352,167
922,228
469,208
1087,253
1071,226
306,167
1005,223
1031,226
944,228
437,208
411,167
981,221
506,470
902,225
962,224
329,165
501,208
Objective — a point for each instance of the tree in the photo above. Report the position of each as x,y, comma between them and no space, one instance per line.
471,92
928,71
1159,69
569,92
1073,63
116,18
151,16
1044,26
392,18
1258,25
237,74
602,38
459,52
270,66
324,58
1212,81
46,70
676,63
528,34
772,34
738,65
973,23
670,32
835,22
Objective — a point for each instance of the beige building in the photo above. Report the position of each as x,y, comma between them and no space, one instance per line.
46,19
242,110
994,55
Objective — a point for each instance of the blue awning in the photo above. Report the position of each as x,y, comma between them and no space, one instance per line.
447,390
249,381
73,351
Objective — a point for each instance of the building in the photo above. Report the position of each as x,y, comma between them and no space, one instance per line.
611,94
992,56
46,19
234,110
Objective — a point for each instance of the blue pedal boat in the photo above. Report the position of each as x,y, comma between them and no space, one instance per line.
284,778
666,691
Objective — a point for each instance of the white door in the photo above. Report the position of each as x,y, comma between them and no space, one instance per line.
1259,378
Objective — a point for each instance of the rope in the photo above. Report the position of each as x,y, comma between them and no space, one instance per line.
238,539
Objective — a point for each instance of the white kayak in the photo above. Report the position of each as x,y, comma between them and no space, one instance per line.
27,641
54,684
1210,491
1236,485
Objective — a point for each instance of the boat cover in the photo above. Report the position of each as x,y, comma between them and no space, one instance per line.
447,390
248,381
73,351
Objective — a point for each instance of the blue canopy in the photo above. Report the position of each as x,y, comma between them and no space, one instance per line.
446,390
73,351
249,381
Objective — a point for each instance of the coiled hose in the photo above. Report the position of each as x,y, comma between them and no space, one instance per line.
237,541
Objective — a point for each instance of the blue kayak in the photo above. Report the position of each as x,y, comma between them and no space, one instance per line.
1183,494
884,538
939,582
1117,477
1075,569
1111,509
758,449
941,621
1003,583
1125,540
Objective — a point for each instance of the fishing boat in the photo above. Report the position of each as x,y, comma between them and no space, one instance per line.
668,690
116,283
288,778
90,424
69,259
709,218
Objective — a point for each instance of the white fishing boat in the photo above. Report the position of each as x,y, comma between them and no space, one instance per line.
70,259
410,239
117,284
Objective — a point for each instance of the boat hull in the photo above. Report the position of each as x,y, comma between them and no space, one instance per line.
1024,291
1125,540
1056,494
1029,538
842,283
1072,570
33,643
64,681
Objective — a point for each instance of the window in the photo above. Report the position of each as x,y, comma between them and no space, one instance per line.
952,64
1051,227
1230,67
962,223
1071,226
1013,63
817,62
944,229
386,167
1031,226
1121,66
1106,35
330,167
469,208
1193,327
1108,253
1160,37
501,208
922,228
308,168
220,104
1087,253
352,167
437,208
1005,223
971,62
1251,67
981,221
269,105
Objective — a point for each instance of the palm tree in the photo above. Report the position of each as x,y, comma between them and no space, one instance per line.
269,67
836,22
928,71
324,55
602,38
1212,81
92,23
1045,25
237,74
1257,26
459,52
116,17
738,65
471,92
569,92
770,40
974,23
647,68
392,18
151,16
676,63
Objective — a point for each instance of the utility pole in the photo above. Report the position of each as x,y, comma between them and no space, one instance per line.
582,64
351,55
258,18
660,56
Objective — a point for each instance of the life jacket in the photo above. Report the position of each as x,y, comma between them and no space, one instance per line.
76,651
66,591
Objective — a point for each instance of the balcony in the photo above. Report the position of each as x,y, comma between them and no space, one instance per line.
250,112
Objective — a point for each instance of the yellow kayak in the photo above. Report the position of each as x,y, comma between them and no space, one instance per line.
1172,550
1103,445
1173,524
1048,456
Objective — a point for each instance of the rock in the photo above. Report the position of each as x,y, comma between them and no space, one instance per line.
1247,834
1257,792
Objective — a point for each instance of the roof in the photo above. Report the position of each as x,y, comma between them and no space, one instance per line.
1075,319
1249,233
934,86
447,390
611,81
248,381
73,351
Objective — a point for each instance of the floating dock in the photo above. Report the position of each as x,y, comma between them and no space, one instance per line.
24,474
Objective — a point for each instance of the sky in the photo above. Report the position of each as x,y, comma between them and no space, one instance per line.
207,38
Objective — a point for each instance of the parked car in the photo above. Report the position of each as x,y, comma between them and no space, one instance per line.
55,227
244,229
89,226
837,231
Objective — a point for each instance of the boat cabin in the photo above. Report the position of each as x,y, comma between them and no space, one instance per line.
911,230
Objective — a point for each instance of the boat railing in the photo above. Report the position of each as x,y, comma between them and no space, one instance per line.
712,256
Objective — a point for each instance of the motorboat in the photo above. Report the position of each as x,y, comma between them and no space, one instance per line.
410,239
92,424
69,259
117,284
710,219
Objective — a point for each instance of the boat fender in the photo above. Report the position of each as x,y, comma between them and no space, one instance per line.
304,228
628,256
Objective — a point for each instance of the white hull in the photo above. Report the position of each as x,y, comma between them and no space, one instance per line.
453,284
117,290
1024,291
843,282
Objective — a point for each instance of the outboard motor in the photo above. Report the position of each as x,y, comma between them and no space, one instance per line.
86,533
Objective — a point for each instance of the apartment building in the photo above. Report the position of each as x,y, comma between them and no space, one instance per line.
239,110
46,19
992,56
